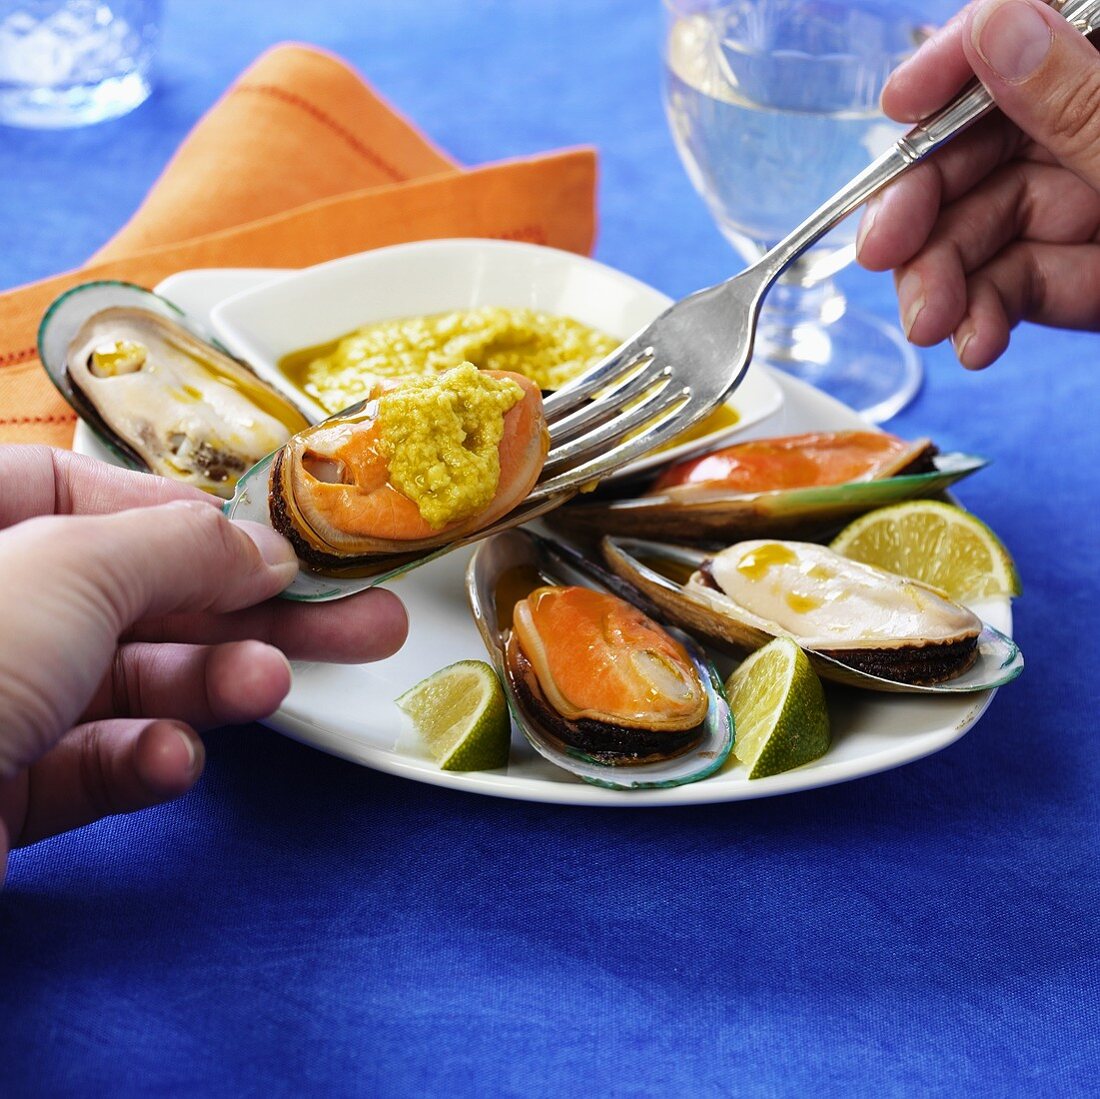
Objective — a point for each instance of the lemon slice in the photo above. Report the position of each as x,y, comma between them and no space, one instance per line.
934,542
779,710
461,714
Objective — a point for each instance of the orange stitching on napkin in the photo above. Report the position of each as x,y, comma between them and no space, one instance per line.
13,358
327,120
532,234
63,419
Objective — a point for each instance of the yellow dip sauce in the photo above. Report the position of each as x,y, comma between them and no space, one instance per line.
550,350
441,436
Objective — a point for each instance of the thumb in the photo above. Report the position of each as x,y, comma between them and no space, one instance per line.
1044,75
181,556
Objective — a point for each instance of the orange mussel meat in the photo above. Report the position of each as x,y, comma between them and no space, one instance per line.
796,461
606,678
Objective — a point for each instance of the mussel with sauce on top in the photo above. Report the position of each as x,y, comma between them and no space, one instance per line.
421,466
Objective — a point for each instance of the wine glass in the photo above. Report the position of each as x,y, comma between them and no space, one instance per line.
773,105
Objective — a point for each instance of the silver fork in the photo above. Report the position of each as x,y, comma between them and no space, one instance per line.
686,362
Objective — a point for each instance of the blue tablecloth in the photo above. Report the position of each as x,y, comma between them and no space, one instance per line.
299,925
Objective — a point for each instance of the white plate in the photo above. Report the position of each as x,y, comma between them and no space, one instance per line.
348,710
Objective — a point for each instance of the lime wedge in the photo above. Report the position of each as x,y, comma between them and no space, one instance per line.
937,543
461,714
778,709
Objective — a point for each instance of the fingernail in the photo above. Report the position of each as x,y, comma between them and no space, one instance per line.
911,289
960,340
274,548
189,744
286,660
870,212
1013,39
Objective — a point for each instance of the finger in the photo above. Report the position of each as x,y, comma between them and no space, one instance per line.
926,81
898,222
1044,75
1051,284
983,334
105,768
1038,202
181,556
202,685
39,480
369,626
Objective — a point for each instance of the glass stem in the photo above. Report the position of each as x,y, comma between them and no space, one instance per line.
794,316
874,177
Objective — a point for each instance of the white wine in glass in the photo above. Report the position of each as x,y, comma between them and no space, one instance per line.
773,105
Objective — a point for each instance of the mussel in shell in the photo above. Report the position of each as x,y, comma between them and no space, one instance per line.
800,461
804,486
160,396
858,624
602,676
335,488
597,686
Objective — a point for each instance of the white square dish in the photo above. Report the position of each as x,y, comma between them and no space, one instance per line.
319,304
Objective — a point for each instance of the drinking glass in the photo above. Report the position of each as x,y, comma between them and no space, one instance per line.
773,105
71,62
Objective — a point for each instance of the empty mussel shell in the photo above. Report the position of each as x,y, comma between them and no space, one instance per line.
503,571
959,654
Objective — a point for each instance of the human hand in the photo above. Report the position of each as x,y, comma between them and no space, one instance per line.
134,612
1002,224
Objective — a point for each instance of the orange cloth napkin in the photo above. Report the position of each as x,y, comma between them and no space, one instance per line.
298,163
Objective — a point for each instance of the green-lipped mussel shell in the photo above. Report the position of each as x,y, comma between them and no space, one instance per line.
661,572
181,407
711,516
504,569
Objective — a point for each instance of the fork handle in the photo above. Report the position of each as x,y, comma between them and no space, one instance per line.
972,103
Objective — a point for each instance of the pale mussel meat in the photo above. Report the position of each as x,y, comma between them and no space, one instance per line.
597,686
858,624
161,396
805,486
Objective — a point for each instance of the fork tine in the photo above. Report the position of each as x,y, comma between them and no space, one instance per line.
624,451
608,405
651,405
661,407
603,375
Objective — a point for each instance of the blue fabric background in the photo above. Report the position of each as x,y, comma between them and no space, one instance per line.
299,925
